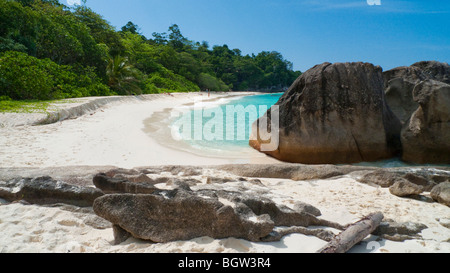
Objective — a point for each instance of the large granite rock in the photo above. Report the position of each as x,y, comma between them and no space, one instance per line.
419,95
399,85
335,113
435,70
425,137
45,190
401,81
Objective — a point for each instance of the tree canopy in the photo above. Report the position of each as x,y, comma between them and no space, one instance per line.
76,52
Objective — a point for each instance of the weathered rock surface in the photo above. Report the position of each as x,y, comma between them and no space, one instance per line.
291,171
399,231
130,175
121,185
426,184
435,70
302,215
134,181
426,178
283,171
307,208
174,170
399,85
182,214
326,119
335,113
120,235
178,215
420,96
404,188
74,175
401,81
441,193
382,178
425,137
46,190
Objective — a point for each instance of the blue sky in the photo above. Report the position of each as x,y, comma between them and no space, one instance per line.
306,32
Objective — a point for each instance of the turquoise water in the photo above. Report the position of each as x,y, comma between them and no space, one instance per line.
220,127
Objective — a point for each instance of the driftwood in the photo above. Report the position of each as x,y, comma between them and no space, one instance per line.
353,234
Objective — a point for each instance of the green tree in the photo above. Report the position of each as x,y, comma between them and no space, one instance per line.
131,27
160,38
141,53
167,81
249,75
18,27
122,76
42,79
100,30
176,39
207,81
76,52
275,68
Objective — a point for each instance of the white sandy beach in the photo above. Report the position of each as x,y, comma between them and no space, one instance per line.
63,229
116,135
112,135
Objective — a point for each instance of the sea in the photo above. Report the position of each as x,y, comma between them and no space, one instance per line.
224,126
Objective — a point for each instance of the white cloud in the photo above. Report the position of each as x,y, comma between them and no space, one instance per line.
73,2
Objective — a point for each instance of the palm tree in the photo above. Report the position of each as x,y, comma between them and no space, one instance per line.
122,76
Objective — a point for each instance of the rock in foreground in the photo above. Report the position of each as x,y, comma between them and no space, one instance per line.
335,113
399,231
120,185
404,188
182,214
441,193
45,190
178,215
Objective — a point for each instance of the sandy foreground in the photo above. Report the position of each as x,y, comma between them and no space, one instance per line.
121,134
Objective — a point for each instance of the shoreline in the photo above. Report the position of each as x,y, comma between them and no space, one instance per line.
158,127
114,136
